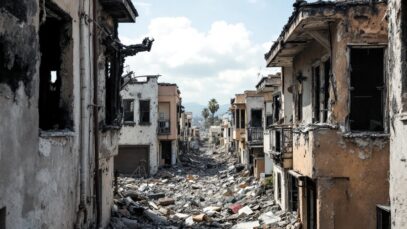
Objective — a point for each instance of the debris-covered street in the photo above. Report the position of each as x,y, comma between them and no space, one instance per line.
208,189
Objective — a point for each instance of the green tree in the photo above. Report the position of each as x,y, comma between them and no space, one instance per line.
213,106
205,113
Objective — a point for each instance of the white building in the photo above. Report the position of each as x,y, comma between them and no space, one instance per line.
138,145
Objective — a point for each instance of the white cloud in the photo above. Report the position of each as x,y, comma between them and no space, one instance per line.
216,63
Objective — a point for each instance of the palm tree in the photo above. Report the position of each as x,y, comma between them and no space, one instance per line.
213,106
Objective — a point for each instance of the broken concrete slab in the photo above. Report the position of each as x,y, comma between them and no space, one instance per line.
166,201
247,225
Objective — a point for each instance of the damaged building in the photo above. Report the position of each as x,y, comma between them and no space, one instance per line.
333,57
61,64
138,147
397,72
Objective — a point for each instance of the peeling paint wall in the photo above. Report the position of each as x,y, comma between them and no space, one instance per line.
136,134
397,69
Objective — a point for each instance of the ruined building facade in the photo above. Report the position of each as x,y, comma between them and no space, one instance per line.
61,65
333,58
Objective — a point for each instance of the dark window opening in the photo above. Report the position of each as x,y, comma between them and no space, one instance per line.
311,196
128,110
144,111
367,89
237,119
257,116
233,118
166,149
242,118
327,73
56,81
279,186
299,106
293,194
277,141
229,132
316,76
3,214
276,108
383,218
113,79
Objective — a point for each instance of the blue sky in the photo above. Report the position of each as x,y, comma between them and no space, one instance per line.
210,48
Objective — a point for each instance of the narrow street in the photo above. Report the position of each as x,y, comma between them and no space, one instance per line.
207,189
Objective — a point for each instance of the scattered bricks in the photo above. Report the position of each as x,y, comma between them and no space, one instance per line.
153,205
164,211
234,208
200,218
166,201
156,196
181,216
243,185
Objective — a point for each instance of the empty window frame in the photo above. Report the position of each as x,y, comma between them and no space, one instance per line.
277,140
383,218
242,118
367,89
144,112
56,82
293,193
276,108
279,186
237,118
128,110
257,116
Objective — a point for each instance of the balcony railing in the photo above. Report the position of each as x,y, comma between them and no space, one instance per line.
164,126
255,134
283,142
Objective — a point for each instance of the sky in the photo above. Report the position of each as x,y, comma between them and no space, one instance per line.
209,48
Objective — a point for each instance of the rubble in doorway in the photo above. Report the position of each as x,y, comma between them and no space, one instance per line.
208,189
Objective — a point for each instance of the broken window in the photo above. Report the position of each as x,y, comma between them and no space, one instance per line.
383,219
256,118
128,110
277,141
276,108
293,193
316,77
242,118
144,111
237,119
3,214
279,186
56,81
367,89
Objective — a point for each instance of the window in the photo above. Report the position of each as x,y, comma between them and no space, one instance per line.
277,141
242,118
276,108
3,214
144,112
56,81
257,116
237,119
293,195
383,219
316,77
367,89
128,110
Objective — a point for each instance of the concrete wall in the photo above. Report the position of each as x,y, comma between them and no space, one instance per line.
136,134
398,129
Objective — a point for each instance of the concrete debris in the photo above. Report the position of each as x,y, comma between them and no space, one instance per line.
192,194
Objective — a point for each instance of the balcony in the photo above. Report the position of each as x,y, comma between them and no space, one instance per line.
164,127
282,145
255,135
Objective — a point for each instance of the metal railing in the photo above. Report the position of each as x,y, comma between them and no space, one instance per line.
164,126
255,134
283,142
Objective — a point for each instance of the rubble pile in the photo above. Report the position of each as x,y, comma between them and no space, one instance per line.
206,190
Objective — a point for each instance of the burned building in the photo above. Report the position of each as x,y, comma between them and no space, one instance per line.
60,75
333,54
